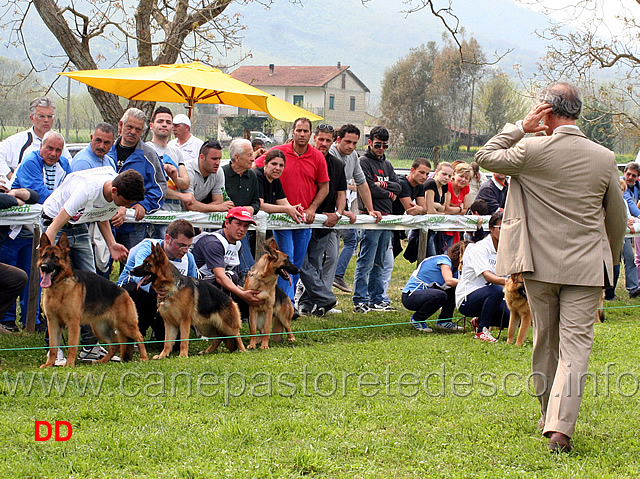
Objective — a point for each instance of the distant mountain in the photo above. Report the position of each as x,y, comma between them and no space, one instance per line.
372,38
369,38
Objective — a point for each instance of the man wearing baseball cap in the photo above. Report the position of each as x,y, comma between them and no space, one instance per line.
217,254
188,144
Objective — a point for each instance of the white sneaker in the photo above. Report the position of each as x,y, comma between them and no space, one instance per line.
334,311
485,335
60,359
299,292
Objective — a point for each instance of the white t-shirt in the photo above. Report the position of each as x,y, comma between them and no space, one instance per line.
190,149
81,195
477,259
172,155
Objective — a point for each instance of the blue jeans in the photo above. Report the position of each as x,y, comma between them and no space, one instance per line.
130,235
630,270
294,243
81,251
350,239
246,257
488,304
388,271
369,276
17,252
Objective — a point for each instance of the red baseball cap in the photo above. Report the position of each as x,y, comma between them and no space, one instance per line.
240,213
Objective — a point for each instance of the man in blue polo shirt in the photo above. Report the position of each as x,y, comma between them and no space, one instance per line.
95,153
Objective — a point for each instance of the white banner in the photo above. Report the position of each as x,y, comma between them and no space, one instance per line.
30,214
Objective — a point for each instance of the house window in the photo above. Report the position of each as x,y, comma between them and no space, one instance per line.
352,103
298,100
344,81
332,102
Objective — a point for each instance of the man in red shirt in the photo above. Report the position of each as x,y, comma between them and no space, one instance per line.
305,180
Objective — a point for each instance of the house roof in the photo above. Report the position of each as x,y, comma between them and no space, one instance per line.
311,76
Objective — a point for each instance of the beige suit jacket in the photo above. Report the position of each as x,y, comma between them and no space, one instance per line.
564,220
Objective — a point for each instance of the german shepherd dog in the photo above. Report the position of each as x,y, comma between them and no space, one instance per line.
516,298
183,300
276,308
71,298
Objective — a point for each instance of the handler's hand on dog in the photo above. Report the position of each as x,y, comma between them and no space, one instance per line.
118,252
251,297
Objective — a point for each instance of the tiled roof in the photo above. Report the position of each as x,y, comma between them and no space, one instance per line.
287,75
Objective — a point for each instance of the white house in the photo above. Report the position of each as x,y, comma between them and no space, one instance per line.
333,92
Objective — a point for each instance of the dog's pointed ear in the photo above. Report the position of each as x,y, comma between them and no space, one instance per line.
63,243
271,247
44,241
158,252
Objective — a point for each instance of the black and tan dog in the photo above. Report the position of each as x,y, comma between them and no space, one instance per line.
516,298
71,298
183,301
276,308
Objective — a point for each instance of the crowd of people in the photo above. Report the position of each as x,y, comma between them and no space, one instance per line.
563,273
318,172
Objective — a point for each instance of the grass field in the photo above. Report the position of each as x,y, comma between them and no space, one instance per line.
376,400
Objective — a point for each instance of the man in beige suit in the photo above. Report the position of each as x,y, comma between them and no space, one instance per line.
565,245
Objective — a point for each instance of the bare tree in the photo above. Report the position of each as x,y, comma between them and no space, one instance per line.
598,50
146,32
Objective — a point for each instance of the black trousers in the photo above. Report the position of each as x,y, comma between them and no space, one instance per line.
13,281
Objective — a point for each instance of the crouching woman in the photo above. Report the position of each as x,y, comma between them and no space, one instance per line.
432,287
479,292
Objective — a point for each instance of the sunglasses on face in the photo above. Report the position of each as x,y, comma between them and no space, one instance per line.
384,146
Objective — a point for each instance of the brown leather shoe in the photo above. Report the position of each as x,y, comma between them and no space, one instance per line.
559,442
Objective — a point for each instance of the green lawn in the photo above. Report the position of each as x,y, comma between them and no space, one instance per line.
379,400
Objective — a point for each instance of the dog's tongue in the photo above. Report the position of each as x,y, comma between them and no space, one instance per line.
45,280
288,278
141,282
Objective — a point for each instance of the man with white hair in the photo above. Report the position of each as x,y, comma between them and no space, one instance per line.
188,144
241,186
14,149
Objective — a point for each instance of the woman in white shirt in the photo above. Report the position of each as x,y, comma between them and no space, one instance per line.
479,292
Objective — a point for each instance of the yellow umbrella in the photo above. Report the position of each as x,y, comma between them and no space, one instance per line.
189,83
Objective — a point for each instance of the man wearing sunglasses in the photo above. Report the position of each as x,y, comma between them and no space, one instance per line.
176,244
369,291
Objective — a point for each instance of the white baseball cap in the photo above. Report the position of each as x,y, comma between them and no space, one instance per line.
182,119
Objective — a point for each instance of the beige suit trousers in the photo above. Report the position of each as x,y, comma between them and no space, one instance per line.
563,317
